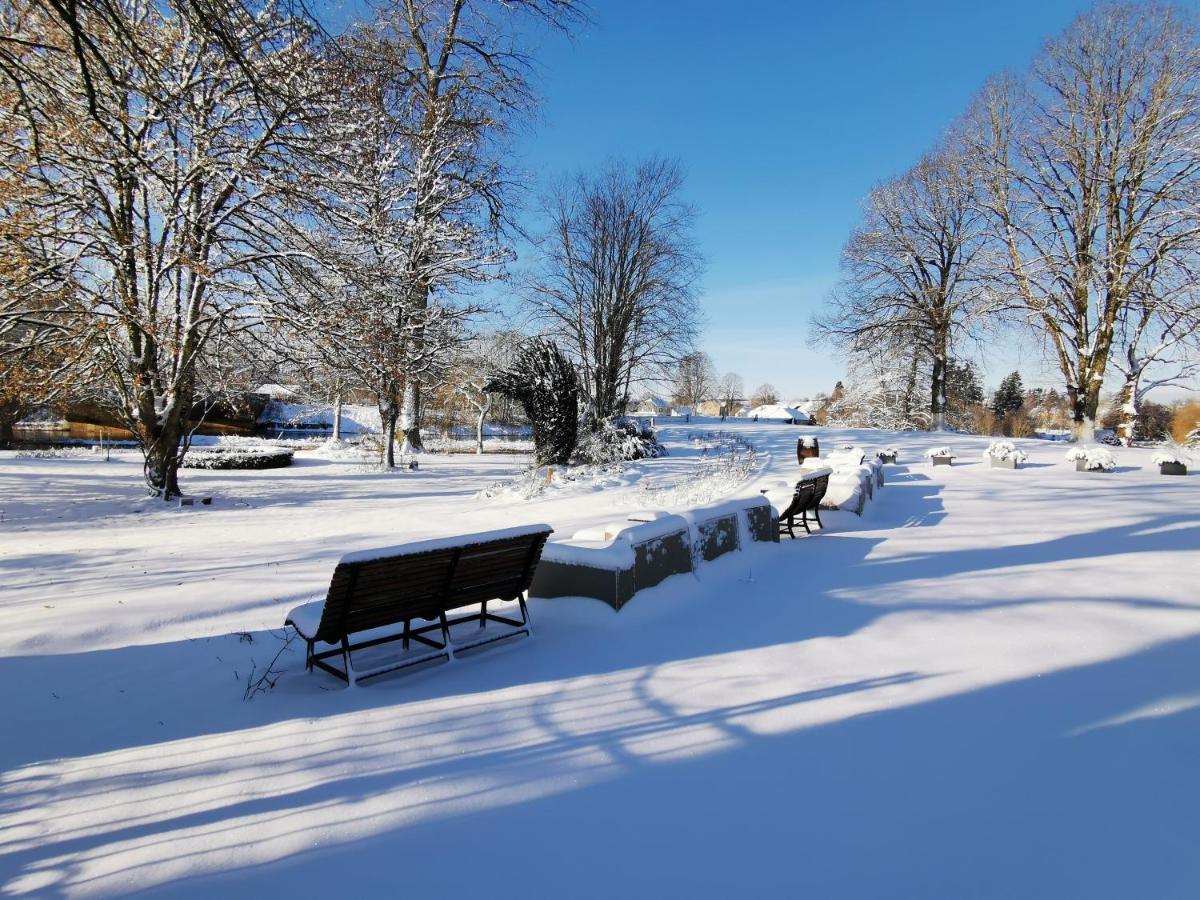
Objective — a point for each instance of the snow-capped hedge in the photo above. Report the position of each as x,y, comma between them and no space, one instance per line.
1005,450
1097,459
619,439
238,458
939,451
888,451
1169,455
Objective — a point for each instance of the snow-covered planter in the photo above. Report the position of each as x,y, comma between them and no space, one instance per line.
807,448
940,456
1091,459
887,455
1004,455
238,458
1170,462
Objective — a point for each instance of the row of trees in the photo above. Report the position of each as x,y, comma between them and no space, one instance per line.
194,194
1065,202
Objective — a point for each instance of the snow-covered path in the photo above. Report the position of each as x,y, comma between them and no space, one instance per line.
987,687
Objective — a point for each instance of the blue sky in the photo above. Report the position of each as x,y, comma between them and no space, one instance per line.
784,115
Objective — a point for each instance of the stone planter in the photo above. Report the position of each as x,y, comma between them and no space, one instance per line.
1172,468
803,452
886,457
942,460
1007,463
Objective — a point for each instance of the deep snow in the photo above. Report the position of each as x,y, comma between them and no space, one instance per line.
988,686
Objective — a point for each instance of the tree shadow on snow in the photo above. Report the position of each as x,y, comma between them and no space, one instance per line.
1071,783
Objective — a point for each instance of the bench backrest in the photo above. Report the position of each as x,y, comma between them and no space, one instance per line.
373,592
820,485
802,499
808,495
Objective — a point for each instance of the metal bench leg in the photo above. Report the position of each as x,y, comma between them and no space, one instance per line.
446,636
482,614
525,614
407,631
347,663
817,515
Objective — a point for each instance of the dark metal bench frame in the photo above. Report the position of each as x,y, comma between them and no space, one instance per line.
425,585
807,498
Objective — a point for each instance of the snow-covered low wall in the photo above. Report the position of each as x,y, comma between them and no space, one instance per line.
613,562
852,483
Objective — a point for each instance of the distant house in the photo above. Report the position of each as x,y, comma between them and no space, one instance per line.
653,406
716,408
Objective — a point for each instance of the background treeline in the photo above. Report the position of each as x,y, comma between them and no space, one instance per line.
1063,210
197,196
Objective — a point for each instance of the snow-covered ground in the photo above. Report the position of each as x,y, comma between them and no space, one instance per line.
988,686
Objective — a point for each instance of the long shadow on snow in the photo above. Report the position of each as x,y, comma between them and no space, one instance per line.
1048,786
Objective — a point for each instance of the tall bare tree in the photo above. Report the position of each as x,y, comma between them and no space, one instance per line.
617,277
468,82
1092,177
169,177
695,379
910,270
730,390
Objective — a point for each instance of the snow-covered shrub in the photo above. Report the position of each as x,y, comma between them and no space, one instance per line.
56,453
1096,459
237,458
726,461
619,439
1005,450
888,451
1171,455
939,451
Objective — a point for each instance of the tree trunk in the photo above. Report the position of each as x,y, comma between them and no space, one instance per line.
387,416
483,411
6,432
1129,406
337,419
161,467
410,419
938,390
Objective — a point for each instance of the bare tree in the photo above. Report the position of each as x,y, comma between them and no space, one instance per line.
764,395
617,277
695,379
1092,179
467,82
482,359
1156,344
910,270
729,391
168,193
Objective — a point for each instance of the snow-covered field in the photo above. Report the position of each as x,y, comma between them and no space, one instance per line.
988,686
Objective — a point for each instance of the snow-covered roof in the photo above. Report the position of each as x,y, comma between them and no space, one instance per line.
783,413
276,391
656,402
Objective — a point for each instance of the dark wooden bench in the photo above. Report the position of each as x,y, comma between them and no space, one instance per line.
806,499
373,591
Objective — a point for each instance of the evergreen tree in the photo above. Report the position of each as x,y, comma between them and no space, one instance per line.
1010,396
963,388
546,383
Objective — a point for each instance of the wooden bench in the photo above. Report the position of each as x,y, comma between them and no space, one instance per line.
806,498
373,591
